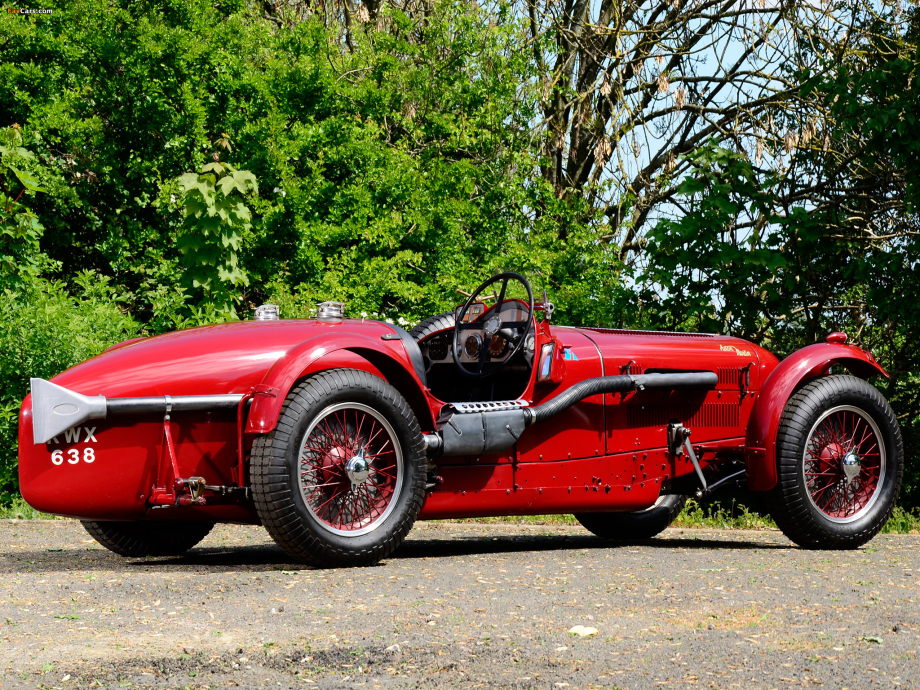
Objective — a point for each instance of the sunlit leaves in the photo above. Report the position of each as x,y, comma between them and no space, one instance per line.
215,219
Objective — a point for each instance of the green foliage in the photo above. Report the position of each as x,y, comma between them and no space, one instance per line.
710,516
20,229
903,522
375,164
215,220
735,262
44,330
706,272
715,516
874,99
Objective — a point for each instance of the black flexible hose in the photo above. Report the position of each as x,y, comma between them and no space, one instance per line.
619,384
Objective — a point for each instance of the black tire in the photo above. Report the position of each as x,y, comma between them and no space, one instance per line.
276,470
433,324
148,537
791,503
641,524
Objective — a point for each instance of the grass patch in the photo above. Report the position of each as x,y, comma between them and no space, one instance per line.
20,510
903,522
694,515
522,520
715,516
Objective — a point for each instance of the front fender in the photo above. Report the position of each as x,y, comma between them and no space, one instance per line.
763,425
384,358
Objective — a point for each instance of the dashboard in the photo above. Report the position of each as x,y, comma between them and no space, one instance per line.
437,348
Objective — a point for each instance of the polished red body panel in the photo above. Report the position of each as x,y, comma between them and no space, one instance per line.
579,431
228,358
385,358
802,365
607,452
638,420
567,465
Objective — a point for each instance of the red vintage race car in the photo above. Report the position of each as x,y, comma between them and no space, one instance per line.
336,434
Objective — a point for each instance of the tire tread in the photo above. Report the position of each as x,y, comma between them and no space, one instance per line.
433,324
147,538
274,497
795,516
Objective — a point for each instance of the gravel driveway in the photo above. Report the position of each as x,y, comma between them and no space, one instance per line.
461,605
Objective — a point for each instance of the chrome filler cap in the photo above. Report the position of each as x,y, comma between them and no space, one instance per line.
330,311
268,312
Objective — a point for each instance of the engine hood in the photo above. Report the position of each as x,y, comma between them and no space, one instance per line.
225,358
651,351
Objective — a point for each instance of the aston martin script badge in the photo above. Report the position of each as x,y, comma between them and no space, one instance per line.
732,348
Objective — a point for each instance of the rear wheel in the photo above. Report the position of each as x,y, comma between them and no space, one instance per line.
341,479
148,538
840,461
641,524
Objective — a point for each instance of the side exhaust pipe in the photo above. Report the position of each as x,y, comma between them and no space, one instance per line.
472,432
619,384
56,409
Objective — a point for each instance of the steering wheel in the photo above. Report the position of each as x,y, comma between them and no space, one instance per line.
512,331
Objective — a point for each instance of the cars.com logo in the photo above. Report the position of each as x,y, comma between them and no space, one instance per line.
27,10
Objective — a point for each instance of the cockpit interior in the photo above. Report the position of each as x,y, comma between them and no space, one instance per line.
488,353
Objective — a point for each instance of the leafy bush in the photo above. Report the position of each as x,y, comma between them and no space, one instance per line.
19,227
215,218
44,330
18,509
375,163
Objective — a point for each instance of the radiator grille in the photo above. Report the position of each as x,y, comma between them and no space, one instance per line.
730,376
707,415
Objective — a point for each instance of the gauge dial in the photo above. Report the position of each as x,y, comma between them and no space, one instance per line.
529,344
438,348
497,346
473,345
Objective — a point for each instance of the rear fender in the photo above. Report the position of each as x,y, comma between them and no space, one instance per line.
386,359
789,375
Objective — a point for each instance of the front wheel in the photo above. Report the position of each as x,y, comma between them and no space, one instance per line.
341,479
640,524
840,462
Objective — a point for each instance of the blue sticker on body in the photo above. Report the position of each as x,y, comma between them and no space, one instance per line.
568,354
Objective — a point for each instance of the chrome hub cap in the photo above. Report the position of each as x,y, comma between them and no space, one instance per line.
357,469
851,466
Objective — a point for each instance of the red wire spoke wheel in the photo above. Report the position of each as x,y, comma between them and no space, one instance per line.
341,479
844,463
350,468
839,464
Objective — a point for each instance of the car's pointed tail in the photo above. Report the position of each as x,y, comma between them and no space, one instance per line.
56,409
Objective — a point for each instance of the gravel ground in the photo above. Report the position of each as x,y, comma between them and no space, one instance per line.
461,605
